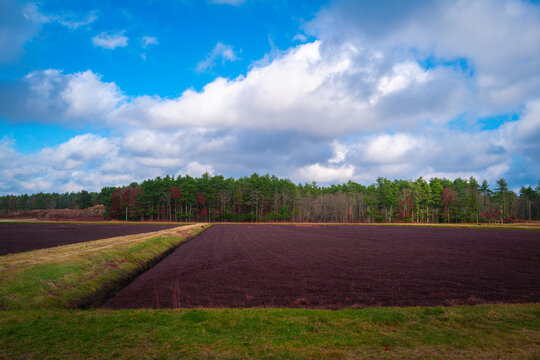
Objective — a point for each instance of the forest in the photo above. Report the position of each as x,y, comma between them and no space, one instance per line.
270,199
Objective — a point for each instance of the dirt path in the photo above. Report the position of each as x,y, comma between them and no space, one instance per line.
341,266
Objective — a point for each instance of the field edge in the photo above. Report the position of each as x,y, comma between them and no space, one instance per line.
111,288
83,275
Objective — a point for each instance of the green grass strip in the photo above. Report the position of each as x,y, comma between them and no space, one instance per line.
79,275
471,332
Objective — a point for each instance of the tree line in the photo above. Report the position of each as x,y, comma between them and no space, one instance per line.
269,198
25,202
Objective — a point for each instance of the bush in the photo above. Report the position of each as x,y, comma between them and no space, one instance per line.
510,219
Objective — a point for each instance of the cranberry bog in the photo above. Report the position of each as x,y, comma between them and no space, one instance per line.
341,266
18,237
263,291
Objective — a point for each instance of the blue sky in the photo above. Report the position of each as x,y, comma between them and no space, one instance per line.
104,93
185,32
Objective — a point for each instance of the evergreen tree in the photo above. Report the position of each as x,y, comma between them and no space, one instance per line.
502,189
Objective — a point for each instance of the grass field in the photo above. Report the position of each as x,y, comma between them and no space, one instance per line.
471,332
40,289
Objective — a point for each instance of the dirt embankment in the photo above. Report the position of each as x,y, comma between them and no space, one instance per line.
94,213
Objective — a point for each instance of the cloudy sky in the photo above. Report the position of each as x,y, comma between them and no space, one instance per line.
99,93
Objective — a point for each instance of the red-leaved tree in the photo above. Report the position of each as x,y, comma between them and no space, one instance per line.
448,197
124,202
202,202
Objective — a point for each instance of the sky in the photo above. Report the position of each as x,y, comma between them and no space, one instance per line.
106,93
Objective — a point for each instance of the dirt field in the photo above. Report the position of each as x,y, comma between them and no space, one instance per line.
16,238
341,266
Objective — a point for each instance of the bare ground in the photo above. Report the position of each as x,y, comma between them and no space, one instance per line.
333,266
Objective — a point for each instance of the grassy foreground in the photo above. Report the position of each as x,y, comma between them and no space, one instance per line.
81,274
483,332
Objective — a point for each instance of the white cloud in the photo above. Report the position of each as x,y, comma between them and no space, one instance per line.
496,39
61,168
31,12
340,152
325,174
148,40
306,92
78,152
110,40
401,77
87,96
54,97
228,2
527,130
300,37
91,162
385,148
67,19
195,169
292,93
220,51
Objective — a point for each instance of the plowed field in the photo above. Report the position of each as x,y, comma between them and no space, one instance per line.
16,238
341,266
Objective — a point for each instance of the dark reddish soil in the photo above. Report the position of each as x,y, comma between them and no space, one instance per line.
341,266
16,238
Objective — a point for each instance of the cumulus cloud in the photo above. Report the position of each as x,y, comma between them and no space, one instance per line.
93,161
52,96
113,161
340,152
221,52
326,174
434,153
497,39
87,96
78,152
454,153
306,92
110,40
